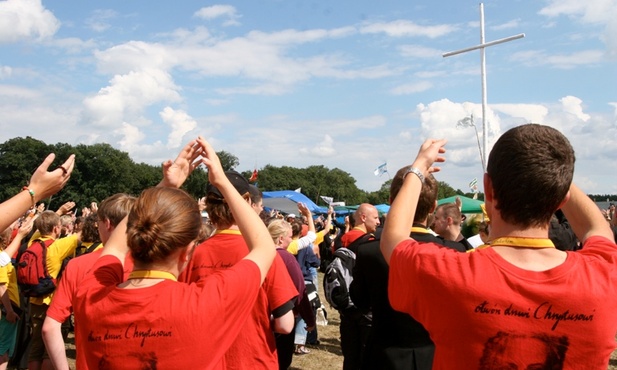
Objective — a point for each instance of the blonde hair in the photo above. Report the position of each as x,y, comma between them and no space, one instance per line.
278,228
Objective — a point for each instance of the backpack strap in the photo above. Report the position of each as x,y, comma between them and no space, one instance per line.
45,244
92,247
363,239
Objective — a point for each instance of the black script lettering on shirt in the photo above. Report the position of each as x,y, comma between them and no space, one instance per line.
133,331
483,308
545,311
511,311
216,265
94,338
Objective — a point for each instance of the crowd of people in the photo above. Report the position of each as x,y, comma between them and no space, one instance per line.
145,282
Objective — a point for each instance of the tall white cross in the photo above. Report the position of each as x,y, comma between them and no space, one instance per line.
482,46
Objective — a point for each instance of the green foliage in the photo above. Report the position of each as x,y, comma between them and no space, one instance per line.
100,171
313,181
228,160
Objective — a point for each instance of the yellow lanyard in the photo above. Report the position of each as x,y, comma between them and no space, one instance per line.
152,274
523,242
228,232
420,230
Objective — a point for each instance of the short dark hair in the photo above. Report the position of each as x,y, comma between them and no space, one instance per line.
530,169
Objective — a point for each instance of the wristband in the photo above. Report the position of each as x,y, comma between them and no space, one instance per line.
415,171
31,192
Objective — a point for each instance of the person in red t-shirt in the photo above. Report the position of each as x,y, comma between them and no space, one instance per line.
151,320
366,220
109,214
517,302
255,346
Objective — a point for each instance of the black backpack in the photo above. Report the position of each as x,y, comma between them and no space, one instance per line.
337,278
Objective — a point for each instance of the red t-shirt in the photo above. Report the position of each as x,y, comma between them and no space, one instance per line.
170,325
483,312
74,272
254,347
351,236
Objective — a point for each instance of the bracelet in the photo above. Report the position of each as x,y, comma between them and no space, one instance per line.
415,171
31,192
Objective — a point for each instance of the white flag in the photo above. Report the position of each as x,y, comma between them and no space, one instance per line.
327,199
381,169
298,190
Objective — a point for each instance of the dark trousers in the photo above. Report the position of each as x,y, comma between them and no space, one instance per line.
285,349
355,329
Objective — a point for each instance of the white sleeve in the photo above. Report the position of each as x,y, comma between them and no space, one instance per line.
5,259
307,240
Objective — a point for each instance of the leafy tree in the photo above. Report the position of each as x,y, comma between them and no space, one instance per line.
228,160
381,196
101,171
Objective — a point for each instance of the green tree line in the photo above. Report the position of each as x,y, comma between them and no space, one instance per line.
100,171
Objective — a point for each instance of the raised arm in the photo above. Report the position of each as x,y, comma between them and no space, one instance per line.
585,217
254,231
11,249
174,175
403,207
42,185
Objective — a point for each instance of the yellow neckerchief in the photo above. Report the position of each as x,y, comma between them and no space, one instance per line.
228,232
152,274
518,241
419,230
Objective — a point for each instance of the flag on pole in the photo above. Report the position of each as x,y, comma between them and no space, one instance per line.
253,176
473,185
381,169
328,200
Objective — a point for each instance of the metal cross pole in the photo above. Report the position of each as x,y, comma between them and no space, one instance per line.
482,46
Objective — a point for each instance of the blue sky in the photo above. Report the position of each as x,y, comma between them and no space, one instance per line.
345,84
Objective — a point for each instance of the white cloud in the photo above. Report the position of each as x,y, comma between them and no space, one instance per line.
324,148
515,23
26,19
180,122
411,88
127,96
406,28
573,105
419,51
564,61
72,45
99,21
591,11
597,12
5,72
135,55
217,11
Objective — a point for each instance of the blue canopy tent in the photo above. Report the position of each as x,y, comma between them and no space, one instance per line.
287,201
468,205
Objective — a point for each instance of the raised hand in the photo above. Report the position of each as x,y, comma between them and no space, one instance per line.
429,154
44,183
212,161
65,208
176,172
